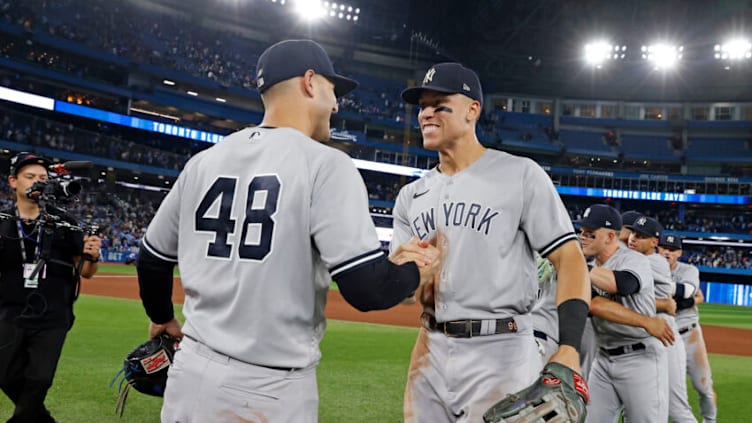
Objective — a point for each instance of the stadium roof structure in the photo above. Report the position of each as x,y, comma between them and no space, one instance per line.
536,46
533,47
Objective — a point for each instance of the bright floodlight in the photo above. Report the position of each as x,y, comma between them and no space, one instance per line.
734,49
309,9
662,56
596,53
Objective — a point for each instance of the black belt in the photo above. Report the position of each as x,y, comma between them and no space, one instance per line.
684,330
467,328
540,335
624,349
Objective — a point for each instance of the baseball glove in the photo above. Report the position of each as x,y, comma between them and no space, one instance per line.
145,369
558,396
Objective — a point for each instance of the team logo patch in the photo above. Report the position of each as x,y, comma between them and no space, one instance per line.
429,76
581,386
551,380
156,362
465,87
670,238
641,221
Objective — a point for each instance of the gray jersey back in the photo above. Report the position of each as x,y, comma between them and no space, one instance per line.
493,214
688,274
664,285
255,223
611,334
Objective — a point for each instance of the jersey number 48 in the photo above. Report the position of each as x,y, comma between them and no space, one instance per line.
261,204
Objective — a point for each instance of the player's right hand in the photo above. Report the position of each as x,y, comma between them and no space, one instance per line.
659,328
413,250
172,328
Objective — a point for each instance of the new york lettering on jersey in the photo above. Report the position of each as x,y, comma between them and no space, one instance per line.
472,216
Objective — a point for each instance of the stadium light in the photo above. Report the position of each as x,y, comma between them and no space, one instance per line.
309,10
734,49
598,52
315,9
662,56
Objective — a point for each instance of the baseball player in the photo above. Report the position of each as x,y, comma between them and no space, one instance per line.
629,373
627,219
489,211
688,321
644,238
259,225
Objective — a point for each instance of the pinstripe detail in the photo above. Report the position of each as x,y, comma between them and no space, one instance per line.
158,254
356,261
548,249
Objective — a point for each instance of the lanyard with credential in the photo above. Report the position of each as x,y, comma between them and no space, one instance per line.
22,235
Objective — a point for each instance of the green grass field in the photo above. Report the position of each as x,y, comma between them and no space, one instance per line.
361,376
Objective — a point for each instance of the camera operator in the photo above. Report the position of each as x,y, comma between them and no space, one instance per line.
36,300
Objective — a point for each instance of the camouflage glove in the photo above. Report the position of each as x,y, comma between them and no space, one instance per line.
558,396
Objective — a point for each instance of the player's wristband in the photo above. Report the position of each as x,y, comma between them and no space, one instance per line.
572,314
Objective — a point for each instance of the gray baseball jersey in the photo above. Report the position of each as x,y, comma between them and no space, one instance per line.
679,410
257,223
610,334
493,214
664,285
688,274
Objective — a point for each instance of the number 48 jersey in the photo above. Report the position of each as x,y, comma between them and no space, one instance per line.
256,224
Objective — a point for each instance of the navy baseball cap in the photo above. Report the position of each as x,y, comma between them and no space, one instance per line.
647,226
449,78
25,158
628,217
291,58
600,216
670,241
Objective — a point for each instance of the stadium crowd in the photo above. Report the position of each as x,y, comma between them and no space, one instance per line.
122,215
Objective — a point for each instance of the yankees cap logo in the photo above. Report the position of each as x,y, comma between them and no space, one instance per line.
465,87
429,76
670,238
641,221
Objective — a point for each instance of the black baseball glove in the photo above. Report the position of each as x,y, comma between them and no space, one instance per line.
145,369
559,395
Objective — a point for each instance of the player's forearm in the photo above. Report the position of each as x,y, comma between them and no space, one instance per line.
664,305
572,293
604,279
379,284
572,275
155,286
615,312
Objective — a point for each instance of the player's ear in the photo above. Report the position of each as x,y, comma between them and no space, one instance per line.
473,111
12,181
308,82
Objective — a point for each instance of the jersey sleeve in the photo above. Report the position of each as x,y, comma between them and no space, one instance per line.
341,226
545,220
400,225
161,238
